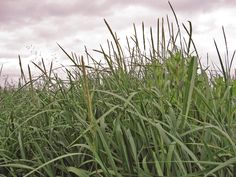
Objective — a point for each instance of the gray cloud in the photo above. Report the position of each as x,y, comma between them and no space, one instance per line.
26,12
75,22
49,20
180,5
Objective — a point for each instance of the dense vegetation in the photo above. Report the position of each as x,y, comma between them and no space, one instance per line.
151,110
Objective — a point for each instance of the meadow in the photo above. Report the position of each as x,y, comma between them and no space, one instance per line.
151,110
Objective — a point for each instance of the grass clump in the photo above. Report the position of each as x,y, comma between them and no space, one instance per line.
150,111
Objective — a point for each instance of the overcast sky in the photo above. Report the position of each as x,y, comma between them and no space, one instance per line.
32,28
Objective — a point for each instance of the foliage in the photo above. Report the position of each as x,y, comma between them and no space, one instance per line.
150,111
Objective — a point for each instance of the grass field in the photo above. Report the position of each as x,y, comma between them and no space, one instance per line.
151,110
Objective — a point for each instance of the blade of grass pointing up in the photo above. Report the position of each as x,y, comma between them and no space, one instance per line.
177,23
227,53
119,60
192,71
87,93
221,63
21,69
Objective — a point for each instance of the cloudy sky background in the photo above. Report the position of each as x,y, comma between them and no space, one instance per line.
32,28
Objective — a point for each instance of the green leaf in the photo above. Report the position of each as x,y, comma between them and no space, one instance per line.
79,172
192,71
223,165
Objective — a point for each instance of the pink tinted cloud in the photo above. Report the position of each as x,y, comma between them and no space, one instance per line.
180,5
26,11
17,13
50,20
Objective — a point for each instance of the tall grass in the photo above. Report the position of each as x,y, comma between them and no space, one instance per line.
151,110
